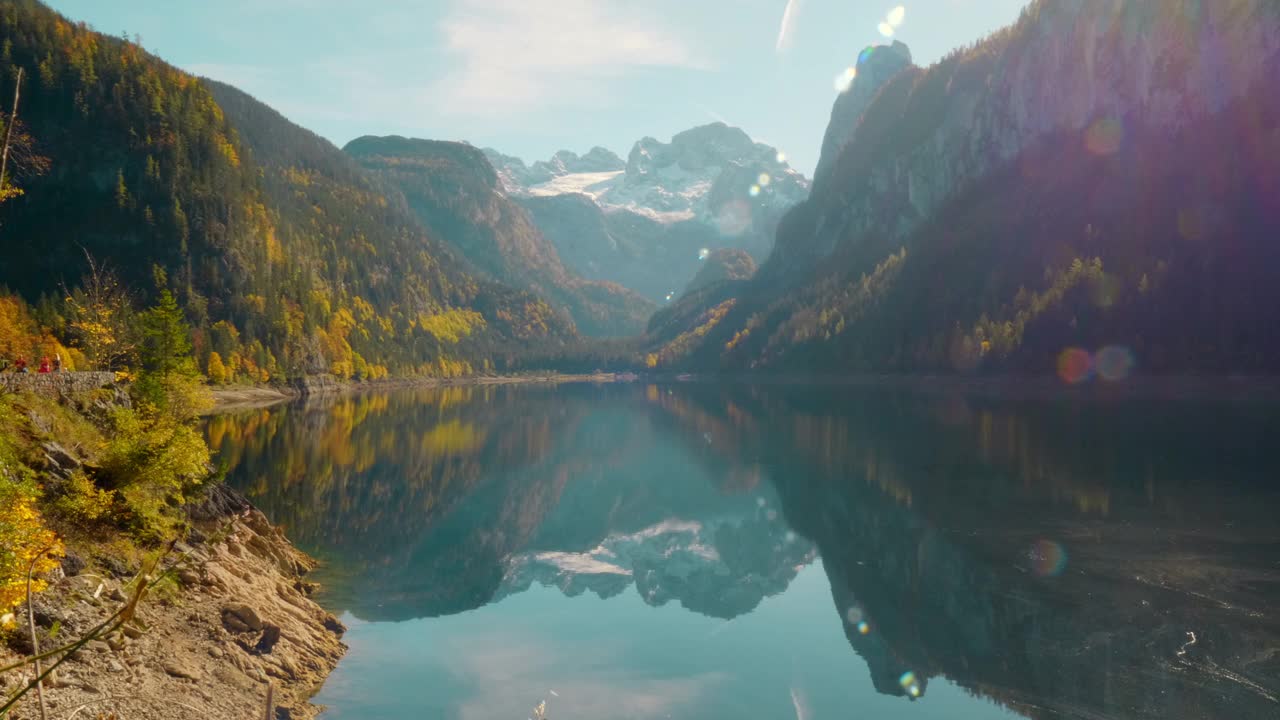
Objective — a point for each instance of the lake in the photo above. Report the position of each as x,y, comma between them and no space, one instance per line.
731,551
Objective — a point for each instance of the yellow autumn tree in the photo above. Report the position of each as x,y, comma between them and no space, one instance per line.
23,539
101,314
18,333
215,369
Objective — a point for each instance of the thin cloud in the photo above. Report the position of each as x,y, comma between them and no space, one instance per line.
788,26
713,114
512,673
514,54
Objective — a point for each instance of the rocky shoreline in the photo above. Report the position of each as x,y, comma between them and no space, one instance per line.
234,622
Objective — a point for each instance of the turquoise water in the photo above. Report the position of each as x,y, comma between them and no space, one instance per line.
620,658
705,551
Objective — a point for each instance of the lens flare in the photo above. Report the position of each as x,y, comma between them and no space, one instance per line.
764,180
845,79
1104,136
1048,558
854,615
864,628
866,54
733,218
704,253
670,295
896,16
781,157
885,29
1074,365
910,684
1114,363
1191,223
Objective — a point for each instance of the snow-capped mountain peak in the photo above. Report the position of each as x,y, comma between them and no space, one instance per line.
689,178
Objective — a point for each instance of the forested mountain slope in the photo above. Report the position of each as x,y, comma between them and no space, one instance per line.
1099,175
455,192
285,255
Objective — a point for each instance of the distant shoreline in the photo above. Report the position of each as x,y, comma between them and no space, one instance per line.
1261,388
241,397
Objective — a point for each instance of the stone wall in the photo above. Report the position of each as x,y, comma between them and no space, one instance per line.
55,384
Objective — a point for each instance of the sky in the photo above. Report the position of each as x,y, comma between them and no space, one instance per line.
530,77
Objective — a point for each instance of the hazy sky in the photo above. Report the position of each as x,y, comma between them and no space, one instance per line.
530,77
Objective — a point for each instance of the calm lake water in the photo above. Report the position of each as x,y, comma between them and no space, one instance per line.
724,552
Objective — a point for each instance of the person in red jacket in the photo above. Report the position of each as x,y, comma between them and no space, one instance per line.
44,365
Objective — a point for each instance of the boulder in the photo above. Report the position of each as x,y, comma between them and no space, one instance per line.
60,456
181,669
240,618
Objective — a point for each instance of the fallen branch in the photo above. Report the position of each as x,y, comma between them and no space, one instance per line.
31,624
113,623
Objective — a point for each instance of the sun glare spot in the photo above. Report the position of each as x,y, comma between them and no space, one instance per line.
704,253
845,79
885,29
753,191
910,684
781,157
1104,136
734,217
1114,363
1048,558
764,180
864,628
896,16
1190,223
854,615
1075,365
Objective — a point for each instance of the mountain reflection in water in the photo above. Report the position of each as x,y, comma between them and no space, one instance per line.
1060,557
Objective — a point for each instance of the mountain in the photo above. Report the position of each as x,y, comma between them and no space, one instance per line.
288,258
643,223
1100,176
720,266
513,172
874,67
455,193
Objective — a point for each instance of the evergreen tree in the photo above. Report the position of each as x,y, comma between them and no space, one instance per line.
166,339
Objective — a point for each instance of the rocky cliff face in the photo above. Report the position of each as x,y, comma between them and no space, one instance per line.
457,193
642,224
1090,68
875,67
